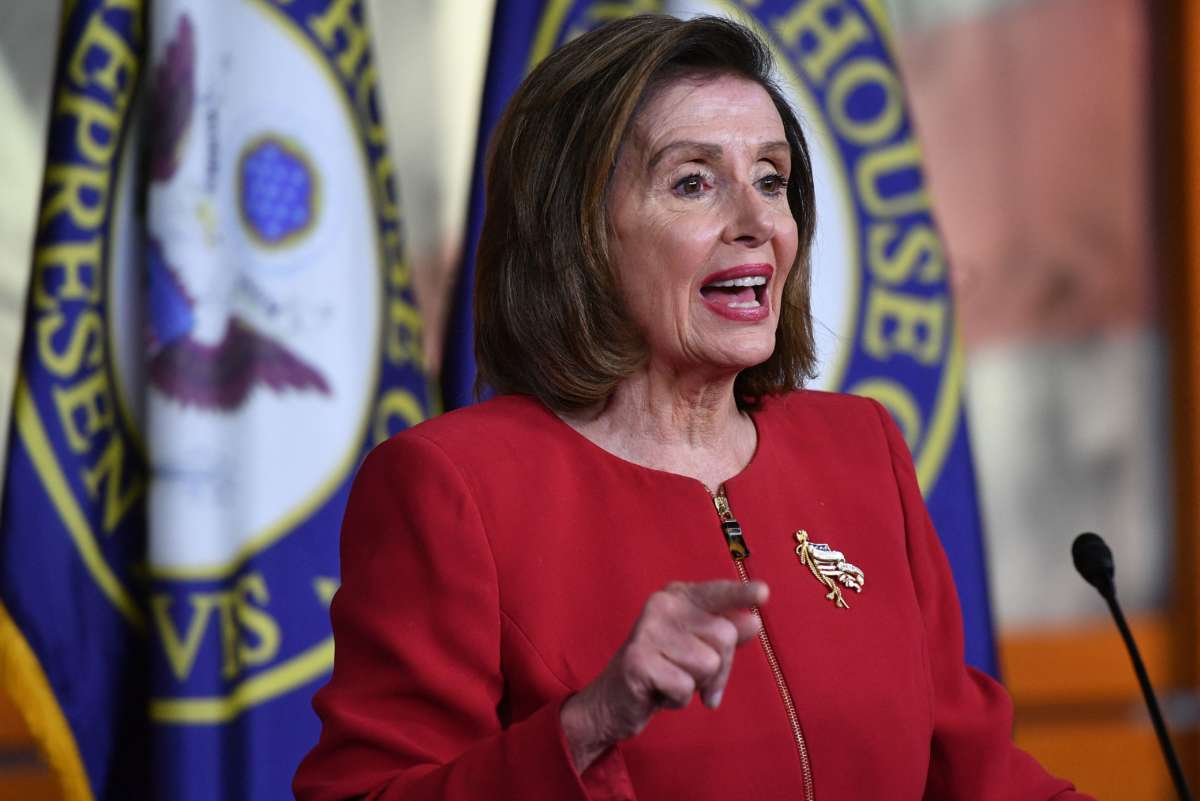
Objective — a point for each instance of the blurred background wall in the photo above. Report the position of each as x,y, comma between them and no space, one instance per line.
1040,124
1043,123
1035,119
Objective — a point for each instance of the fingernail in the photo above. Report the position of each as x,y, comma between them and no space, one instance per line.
716,699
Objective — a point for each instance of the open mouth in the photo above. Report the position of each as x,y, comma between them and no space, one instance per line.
737,293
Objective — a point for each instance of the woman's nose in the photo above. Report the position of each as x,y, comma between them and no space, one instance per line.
751,219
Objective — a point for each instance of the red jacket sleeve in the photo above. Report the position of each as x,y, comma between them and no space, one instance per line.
410,711
972,754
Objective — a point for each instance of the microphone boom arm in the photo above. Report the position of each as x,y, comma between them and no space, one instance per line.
1094,561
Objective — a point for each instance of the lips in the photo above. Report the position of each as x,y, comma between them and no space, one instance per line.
739,293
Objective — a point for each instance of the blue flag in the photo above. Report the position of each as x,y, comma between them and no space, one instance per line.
220,324
881,299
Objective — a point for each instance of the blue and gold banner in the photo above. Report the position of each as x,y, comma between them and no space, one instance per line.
220,325
881,297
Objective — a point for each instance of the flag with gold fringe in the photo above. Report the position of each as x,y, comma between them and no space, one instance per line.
220,323
881,297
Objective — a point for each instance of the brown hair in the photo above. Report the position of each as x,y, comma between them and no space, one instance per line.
549,317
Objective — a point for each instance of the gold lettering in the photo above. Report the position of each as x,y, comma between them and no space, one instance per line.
71,262
88,328
830,24
365,92
396,403
84,409
119,495
229,633
182,651
256,621
916,325
403,344
325,587
385,189
876,165
339,19
68,183
400,272
853,77
920,245
237,610
96,125
120,62
393,242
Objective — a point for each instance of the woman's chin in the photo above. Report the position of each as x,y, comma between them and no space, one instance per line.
718,352
735,357
750,348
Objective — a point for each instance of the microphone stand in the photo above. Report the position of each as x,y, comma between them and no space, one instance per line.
1094,561
1156,718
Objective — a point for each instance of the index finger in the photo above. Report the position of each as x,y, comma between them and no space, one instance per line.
725,595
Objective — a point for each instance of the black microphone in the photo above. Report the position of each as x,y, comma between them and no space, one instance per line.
1094,561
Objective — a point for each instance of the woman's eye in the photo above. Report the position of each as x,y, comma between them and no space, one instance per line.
773,184
690,185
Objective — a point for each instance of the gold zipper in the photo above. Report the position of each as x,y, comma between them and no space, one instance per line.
735,540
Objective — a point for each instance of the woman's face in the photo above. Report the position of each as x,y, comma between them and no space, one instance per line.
702,236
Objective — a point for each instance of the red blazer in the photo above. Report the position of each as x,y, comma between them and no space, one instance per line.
493,560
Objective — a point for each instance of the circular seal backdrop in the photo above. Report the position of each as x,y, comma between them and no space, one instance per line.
260,265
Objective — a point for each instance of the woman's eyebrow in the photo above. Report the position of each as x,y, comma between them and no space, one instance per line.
774,148
708,151
714,152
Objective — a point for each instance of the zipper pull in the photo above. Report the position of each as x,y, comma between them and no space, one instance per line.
730,527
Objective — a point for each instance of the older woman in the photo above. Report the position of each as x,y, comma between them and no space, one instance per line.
536,589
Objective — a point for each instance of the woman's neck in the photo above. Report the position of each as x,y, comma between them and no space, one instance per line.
668,422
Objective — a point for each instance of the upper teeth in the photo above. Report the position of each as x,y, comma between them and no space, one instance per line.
752,280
